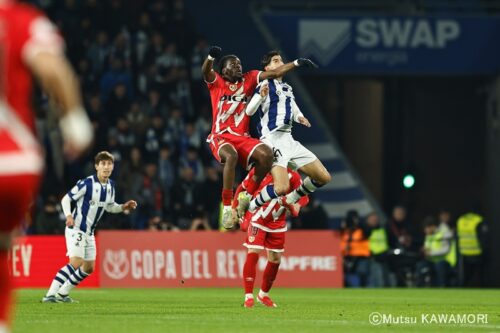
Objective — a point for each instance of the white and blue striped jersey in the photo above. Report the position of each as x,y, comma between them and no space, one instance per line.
278,110
92,199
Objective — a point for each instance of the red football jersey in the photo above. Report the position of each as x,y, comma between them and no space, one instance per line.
272,216
229,102
24,31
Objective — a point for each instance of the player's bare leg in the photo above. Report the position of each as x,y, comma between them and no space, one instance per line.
249,273
229,157
262,157
273,264
280,180
317,176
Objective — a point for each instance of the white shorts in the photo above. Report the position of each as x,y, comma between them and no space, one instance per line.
79,244
287,150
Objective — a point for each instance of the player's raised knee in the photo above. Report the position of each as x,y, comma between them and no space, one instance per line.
265,156
282,189
324,178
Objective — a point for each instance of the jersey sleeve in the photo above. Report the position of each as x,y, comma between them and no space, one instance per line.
215,83
78,190
253,76
256,100
37,34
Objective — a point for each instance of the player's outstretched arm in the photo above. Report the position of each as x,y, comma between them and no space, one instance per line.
208,65
282,70
60,82
66,208
124,208
257,99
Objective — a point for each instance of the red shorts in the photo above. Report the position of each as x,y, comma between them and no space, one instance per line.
244,146
16,194
261,239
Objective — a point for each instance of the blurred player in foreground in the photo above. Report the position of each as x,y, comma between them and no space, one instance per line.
265,229
93,196
229,139
278,111
30,44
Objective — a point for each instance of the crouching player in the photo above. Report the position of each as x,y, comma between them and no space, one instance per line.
92,195
265,229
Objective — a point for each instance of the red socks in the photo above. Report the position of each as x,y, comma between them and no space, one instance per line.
5,289
227,197
252,186
249,272
269,276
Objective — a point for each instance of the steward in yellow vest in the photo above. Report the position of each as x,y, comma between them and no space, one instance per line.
439,252
472,232
467,231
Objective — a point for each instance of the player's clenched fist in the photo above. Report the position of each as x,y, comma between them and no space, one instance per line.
215,52
131,204
304,62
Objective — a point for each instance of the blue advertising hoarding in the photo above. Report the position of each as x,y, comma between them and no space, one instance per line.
392,44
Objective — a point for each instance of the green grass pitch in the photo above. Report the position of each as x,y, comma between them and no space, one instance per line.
220,310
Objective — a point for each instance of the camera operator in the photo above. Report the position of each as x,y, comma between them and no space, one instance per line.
355,249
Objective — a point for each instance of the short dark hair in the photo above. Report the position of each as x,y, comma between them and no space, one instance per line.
430,221
224,60
103,156
266,59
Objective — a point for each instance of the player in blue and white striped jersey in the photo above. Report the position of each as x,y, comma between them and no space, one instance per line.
92,197
278,110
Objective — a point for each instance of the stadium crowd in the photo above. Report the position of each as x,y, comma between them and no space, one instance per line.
139,65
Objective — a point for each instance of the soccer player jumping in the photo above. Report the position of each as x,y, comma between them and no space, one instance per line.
278,112
265,228
93,196
229,139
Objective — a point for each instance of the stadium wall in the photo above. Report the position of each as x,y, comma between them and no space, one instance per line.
181,259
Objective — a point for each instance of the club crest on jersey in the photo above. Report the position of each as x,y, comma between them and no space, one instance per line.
251,239
233,87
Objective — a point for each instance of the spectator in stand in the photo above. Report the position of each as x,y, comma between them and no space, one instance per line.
312,216
150,197
118,103
98,53
154,104
210,203
400,231
190,138
137,120
184,206
126,138
50,220
114,76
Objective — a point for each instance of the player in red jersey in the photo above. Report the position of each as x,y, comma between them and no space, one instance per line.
29,44
230,140
265,229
